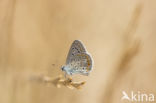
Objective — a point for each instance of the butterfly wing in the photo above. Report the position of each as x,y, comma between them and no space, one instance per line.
78,60
76,48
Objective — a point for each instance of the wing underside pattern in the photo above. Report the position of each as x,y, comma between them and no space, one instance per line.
78,60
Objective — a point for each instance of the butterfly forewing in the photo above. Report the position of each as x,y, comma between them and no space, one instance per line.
76,48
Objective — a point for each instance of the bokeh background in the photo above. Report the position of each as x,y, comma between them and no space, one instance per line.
35,36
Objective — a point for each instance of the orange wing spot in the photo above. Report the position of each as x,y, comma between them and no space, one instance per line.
88,61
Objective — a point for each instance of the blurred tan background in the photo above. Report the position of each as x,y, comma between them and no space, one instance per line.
35,34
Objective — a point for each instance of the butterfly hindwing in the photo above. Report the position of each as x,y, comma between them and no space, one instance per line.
82,62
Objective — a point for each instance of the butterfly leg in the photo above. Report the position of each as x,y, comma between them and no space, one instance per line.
65,75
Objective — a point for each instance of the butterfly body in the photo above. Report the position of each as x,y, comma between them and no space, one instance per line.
78,60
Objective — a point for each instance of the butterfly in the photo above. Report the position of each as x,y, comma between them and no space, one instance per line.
78,61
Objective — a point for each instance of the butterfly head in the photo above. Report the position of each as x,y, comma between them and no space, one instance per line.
63,68
66,69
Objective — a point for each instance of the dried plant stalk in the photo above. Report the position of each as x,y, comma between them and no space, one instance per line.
131,49
60,81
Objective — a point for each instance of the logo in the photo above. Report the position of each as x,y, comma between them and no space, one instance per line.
137,96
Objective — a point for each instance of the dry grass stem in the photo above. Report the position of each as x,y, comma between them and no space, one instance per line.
59,82
131,49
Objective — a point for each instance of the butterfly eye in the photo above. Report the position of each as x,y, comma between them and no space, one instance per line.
62,68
